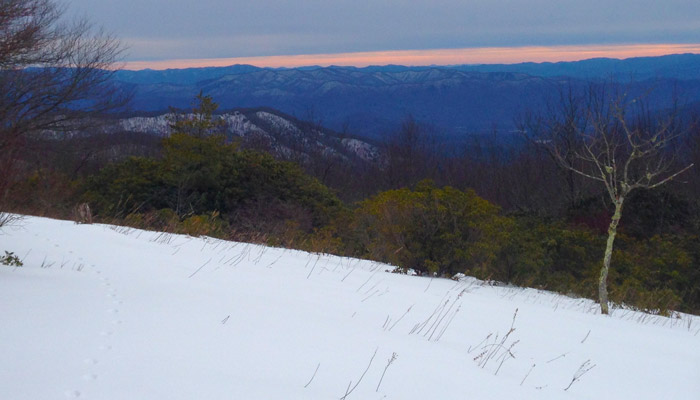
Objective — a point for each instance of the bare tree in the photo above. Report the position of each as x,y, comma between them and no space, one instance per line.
409,154
568,117
54,76
612,138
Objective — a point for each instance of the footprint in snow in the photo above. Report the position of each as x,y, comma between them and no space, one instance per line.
89,377
72,394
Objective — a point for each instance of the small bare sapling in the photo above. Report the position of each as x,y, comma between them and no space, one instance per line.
391,360
585,367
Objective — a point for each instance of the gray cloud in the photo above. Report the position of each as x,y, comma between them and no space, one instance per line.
166,29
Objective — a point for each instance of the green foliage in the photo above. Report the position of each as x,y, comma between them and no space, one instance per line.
133,185
655,275
200,123
431,230
10,259
192,170
203,225
548,255
163,220
200,175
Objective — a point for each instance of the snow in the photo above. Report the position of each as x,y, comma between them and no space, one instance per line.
235,123
103,312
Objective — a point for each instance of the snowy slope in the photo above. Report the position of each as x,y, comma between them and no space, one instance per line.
101,312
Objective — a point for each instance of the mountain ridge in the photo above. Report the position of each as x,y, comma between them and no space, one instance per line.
372,101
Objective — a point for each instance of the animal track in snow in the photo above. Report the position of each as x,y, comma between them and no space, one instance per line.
90,377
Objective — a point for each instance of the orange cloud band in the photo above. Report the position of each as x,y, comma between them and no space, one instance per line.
482,55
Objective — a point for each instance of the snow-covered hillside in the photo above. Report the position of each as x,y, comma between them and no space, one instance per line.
278,131
102,312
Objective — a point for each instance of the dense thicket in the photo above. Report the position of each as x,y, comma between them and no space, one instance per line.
249,191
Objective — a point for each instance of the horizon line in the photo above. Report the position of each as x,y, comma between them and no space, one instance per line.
473,55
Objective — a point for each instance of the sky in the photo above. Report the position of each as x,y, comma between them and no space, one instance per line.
175,33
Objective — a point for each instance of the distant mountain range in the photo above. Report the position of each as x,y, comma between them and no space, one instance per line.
371,101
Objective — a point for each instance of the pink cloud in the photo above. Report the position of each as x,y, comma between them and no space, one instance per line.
483,55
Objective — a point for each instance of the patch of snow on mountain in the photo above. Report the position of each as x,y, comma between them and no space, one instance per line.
159,125
362,149
239,125
279,123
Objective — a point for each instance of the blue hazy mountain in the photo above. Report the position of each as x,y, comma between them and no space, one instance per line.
455,99
678,66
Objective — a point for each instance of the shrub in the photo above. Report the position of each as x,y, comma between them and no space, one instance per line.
548,255
10,259
252,192
203,225
131,186
429,229
656,274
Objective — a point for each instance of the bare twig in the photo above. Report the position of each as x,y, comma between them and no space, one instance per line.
393,358
400,318
556,358
347,392
585,367
528,374
313,376
199,269
584,339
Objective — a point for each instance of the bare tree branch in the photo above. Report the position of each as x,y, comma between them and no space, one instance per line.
55,75
624,152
